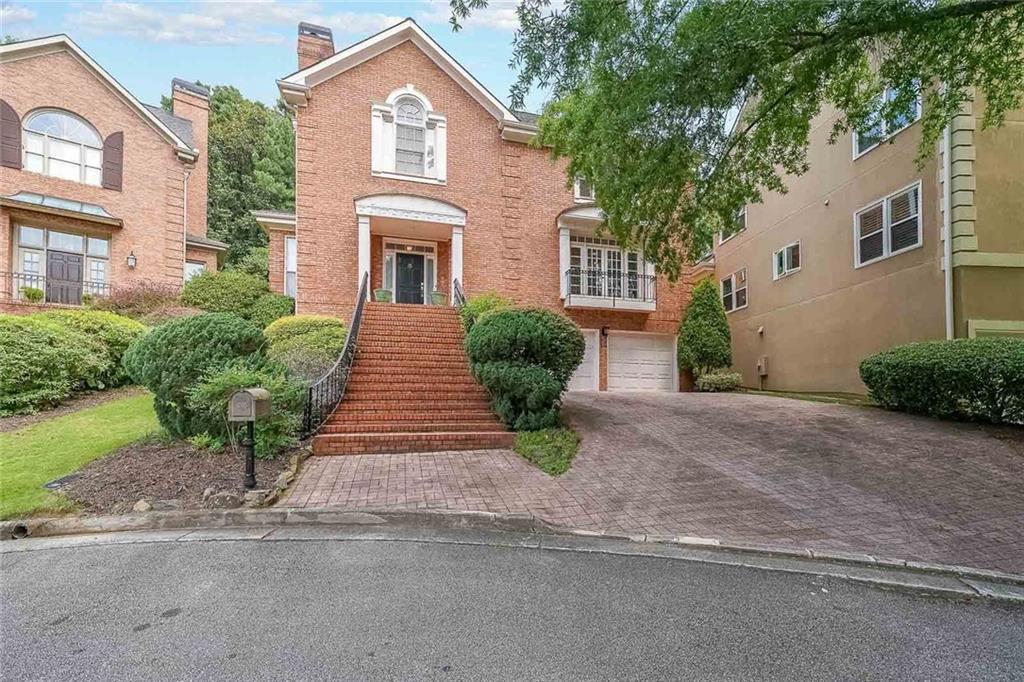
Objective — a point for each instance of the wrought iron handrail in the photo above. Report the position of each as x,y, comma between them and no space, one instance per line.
325,393
459,299
612,284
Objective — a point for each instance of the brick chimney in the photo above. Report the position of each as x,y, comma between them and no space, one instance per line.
192,102
315,43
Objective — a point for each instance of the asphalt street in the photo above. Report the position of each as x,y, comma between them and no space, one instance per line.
391,610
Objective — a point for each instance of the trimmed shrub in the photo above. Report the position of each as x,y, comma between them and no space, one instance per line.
704,332
255,262
168,312
307,356
138,300
270,307
114,332
42,363
481,304
172,358
296,325
964,379
717,381
524,358
228,291
208,400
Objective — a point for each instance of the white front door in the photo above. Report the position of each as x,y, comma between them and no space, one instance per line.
641,362
586,376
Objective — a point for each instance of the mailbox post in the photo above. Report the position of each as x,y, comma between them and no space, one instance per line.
247,405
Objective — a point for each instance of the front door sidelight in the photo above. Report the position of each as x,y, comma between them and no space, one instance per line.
409,278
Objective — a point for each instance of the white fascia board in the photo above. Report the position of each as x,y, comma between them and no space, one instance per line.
517,131
61,42
407,30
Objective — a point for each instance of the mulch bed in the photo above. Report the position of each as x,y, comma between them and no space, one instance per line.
159,471
78,402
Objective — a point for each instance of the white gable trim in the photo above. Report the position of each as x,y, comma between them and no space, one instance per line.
62,43
410,207
407,30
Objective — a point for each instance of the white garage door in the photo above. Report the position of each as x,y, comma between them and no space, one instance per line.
641,362
585,378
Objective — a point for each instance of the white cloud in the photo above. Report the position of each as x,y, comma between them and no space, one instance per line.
11,15
499,14
360,23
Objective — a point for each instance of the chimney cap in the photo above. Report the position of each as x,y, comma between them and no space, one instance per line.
190,87
321,32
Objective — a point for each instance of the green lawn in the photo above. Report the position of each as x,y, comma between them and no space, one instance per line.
552,450
40,453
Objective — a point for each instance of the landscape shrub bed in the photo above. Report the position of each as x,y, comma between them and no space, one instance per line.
271,307
480,305
297,325
114,332
524,357
229,291
307,345
138,300
963,379
717,381
43,363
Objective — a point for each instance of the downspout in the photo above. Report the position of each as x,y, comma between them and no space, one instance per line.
184,223
947,159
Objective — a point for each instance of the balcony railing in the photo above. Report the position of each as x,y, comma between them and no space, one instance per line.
610,288
33,288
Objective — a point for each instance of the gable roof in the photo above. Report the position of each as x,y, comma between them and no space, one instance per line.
182,127
61,42
297,85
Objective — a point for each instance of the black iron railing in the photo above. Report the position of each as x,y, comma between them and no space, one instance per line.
614,285
459,299
327,391
37,288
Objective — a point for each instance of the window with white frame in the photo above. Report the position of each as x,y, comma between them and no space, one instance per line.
734,291
582,191
291,266
86,257
410,136
786,260
600,268
408,139
889,226
866,140
739,224
194,269
63,145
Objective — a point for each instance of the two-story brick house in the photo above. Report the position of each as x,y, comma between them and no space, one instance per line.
410,170
97,190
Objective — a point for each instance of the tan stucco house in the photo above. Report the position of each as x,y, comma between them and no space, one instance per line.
98,191
854,258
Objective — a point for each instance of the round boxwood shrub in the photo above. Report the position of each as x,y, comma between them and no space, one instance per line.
704,338
481,304
172,358
717,381
43,363
296,325
307,356
115,332
228,291
524,358
270,307
964,379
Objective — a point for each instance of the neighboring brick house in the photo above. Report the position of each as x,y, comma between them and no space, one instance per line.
408,169
97,190
852,260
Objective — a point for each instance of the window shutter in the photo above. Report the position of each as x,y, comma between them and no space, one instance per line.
10,136
113,161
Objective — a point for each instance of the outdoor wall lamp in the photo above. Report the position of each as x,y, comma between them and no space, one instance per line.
132,260
604,331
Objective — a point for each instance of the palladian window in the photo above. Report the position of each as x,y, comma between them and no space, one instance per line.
63,145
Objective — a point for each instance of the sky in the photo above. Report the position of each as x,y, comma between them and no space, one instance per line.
251,43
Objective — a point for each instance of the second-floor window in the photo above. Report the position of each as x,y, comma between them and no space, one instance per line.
599,268
582,191
408,139
786,260
739,223
866,140
889,226
734,291
63,145
410,136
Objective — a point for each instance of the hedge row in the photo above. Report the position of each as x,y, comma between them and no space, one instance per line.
236,292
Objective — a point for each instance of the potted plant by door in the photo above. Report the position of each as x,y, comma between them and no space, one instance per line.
439,297
382,295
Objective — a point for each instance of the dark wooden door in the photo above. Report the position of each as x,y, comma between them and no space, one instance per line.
409,280
64,278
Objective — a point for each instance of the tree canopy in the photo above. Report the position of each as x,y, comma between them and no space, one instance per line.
679,112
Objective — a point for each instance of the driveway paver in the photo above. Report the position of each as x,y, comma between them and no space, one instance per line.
739,467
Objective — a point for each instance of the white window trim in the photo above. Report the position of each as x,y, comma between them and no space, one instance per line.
82,165
88,286
383,139
741,212
202,268
577,196
284,282
792,271
746,288
886,135
886,227
583,299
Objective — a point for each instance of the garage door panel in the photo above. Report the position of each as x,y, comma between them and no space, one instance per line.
641,362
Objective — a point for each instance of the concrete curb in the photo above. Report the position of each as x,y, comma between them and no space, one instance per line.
917,577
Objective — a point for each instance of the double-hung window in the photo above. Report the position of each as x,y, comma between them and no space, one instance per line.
866,140
888,227
786,260
582,191
410,136
291,266
734,291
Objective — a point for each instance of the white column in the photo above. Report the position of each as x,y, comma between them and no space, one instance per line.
364,249
456,265
563,260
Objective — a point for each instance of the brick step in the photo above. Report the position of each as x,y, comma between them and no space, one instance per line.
423,350
417,334
351,415
358,380
366,443
411,426
418,401
377,306
399,392
452,326
409,352
375,361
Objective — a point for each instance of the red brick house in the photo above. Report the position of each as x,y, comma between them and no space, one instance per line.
97,190
410,170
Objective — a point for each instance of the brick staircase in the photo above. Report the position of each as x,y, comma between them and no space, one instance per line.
410,389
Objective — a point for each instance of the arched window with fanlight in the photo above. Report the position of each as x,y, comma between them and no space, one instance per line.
63,145
410,136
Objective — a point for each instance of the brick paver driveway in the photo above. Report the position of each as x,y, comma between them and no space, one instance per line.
738,467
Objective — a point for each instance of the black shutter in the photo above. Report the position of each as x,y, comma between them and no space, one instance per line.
10,136
113,159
